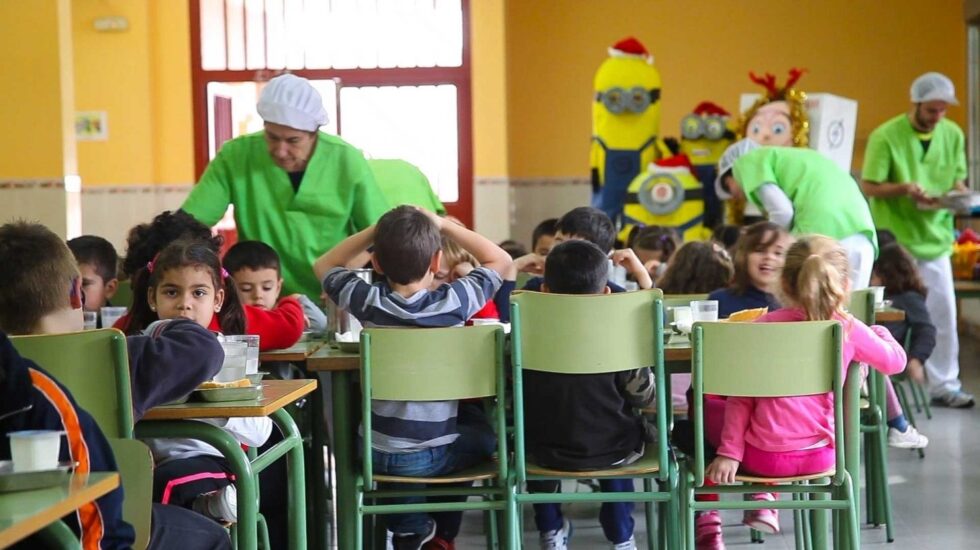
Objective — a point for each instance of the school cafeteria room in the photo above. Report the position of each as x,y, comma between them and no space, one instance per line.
503,274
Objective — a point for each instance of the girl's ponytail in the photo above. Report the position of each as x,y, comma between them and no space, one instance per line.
231,318
815,276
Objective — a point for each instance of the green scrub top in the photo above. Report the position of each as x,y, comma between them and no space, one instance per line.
895,155
337,198
401,182
826,199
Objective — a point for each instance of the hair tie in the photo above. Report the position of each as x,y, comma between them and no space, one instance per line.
224,273
150,265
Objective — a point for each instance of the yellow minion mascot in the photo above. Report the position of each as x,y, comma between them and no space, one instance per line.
667,194
625,122
705,134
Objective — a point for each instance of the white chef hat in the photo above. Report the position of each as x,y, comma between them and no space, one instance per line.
727,161
292,101
933,87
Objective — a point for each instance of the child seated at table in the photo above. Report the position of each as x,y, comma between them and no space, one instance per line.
654,245
40,293
417,438
257,271
759,256
584,421
895,269
457,262
543,237
815,284
187,281
97,262
277,328
698,267
164,366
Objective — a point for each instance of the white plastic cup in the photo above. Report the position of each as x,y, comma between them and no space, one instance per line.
234,365
252,355
879,292
90,320
112,314
682,315
35,450
704,310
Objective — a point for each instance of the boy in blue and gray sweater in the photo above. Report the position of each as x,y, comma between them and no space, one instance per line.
417,438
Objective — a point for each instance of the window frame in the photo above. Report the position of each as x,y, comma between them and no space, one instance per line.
461,77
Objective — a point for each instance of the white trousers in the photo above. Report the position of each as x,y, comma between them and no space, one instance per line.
943,366
861,257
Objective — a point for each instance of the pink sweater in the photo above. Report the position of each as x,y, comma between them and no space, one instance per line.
782,424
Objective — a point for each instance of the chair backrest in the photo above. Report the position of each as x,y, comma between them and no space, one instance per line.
401,182
587,334
94,366
431,364
135,465
124,294
679,300
766,360
862,305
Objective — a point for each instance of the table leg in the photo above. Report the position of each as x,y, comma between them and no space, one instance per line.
344,453
237,462
317,438
296,478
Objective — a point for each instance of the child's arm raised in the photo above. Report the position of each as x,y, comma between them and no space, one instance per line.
627,258
342,254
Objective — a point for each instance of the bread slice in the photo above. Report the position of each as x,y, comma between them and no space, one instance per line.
747,315
212,385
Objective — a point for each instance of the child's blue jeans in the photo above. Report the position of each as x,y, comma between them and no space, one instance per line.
475,444
616,518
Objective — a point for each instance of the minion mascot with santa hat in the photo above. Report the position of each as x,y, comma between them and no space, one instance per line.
625,123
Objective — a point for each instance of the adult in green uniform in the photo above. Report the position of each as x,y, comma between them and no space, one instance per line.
805,192
295,188
909,161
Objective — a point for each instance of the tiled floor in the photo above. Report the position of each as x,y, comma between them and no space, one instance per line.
936,500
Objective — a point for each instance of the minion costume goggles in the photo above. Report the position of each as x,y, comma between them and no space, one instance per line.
636,99
711,127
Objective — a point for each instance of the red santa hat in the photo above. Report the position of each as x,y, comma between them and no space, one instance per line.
630,47
709,108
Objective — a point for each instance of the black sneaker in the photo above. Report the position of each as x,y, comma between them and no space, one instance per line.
414,541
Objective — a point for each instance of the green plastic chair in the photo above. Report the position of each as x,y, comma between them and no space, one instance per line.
436,364
124,294
592,334
802,358
401,182
874,425
135,465
94,366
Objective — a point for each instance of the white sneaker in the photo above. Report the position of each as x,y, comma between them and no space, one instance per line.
220,505
627,545
909,439
557,539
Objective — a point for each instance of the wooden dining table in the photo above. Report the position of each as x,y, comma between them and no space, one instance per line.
23,513
178,421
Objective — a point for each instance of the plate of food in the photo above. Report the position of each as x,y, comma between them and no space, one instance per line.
11,481
237,390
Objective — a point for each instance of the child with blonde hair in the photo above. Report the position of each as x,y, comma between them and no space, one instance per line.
815,286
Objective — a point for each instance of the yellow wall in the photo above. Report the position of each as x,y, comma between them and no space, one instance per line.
489,74
112,74
866,50
170,92
141,78
31,110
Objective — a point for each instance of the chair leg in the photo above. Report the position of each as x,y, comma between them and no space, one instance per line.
884,491
818,524
903,400
797,526
925,401
652,530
